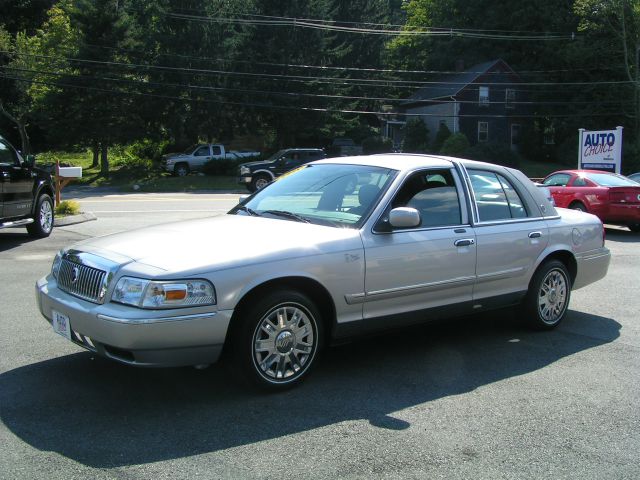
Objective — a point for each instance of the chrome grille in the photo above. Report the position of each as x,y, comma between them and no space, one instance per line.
81,280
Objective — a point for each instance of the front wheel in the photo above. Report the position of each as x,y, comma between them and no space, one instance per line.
43,218
259,182
277,341
548,297
181,170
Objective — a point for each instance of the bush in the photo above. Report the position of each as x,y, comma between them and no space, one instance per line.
147,149
416,137
372,145
456,144
68,207
442,135
498,153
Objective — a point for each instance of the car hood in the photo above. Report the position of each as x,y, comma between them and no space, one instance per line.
216,243
257,163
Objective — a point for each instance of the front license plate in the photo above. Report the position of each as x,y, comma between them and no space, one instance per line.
61,324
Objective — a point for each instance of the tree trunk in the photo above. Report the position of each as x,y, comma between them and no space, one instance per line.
104,160
95,152
22,129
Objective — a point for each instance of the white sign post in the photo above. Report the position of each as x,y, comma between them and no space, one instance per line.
600,150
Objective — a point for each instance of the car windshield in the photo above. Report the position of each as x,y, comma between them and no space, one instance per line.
326,194
276,156
610,180
191,149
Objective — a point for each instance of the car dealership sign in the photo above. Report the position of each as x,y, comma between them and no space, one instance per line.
600,150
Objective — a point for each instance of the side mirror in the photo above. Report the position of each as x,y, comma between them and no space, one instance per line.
30,160
404,217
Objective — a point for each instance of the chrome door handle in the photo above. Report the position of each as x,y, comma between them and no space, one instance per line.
464,242
535,234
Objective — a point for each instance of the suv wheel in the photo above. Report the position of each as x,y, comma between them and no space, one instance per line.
259,182
43,218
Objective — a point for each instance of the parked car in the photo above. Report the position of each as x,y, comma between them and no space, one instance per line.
194,158
256,175
613,198
635,177
26,193
304,262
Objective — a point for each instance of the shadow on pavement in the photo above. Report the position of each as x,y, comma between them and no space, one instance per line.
103,415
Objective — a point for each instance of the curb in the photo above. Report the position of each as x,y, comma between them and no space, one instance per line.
73,219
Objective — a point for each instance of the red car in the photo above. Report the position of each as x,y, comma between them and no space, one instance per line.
612,197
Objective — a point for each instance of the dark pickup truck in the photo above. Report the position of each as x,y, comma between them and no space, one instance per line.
26,193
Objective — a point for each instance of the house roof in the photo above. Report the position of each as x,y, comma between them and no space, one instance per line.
450,85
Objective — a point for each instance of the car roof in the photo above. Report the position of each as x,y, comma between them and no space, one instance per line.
408,161
577,171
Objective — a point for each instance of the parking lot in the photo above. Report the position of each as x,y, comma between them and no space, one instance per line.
479,397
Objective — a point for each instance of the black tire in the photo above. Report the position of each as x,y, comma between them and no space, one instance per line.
250,187
578,206
43,217
259,182
634,227
181,169
277,340
548,297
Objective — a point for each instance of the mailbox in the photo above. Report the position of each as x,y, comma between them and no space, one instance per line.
70,172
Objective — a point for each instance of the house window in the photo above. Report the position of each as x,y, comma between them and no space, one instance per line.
483,131
483,95
549,135
509,98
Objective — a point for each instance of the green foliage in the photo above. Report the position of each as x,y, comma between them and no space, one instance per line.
441,136
456,145
498,153
373,145
416,137
68,207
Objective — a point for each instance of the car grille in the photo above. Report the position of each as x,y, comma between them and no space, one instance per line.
82,281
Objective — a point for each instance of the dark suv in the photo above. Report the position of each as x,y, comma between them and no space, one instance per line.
256,175
26,193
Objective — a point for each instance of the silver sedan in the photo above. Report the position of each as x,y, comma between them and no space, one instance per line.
337,248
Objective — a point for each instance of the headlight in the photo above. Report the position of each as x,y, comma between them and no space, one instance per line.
55,268
171,294
245,171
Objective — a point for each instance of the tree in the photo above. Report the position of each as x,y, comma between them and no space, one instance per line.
416,137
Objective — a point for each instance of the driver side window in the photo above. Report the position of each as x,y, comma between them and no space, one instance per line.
7,155
433,193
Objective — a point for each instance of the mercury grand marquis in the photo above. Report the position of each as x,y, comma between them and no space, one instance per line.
336,248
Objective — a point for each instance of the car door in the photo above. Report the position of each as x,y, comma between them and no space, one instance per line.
289,161
557,185
201,155
422,268
510,236
17,183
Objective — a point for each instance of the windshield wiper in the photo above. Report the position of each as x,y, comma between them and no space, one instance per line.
251,212
284,213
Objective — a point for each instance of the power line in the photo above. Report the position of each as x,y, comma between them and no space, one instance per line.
286,107
400,83
291,94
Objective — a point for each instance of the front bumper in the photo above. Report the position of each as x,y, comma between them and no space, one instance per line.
152,338
244,179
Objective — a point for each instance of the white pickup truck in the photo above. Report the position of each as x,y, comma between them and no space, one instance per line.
194,157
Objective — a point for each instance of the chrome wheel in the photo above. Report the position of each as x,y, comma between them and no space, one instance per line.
552,296
284,343
45,217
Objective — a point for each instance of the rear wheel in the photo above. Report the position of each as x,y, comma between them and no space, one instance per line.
578,206
277,341
43,218
548,297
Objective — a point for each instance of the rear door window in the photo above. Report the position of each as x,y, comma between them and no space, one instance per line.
496,198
